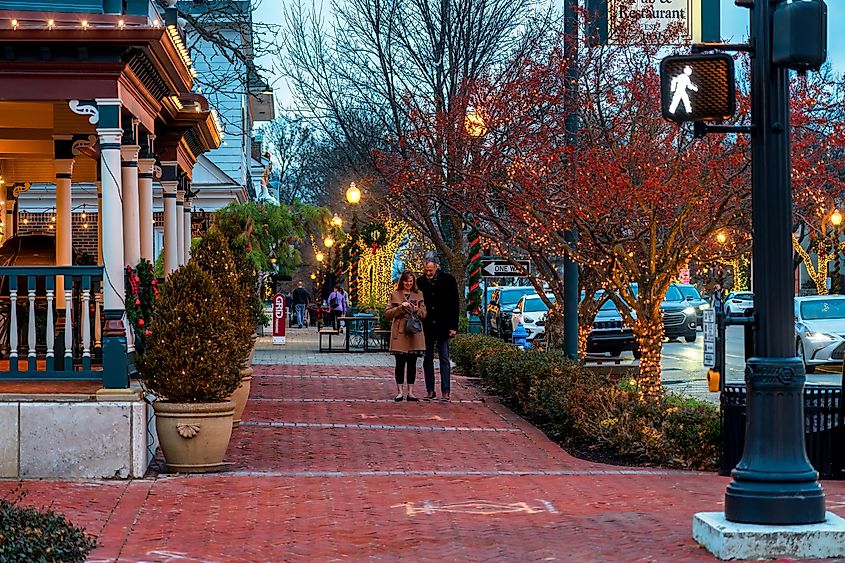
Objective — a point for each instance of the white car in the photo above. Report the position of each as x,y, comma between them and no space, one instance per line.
820,330
529,310
738,302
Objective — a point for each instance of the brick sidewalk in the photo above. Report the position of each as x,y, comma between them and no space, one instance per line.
326,467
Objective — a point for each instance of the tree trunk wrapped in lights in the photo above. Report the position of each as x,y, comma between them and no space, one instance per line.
474,297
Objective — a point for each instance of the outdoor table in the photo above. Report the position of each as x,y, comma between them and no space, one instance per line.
363,326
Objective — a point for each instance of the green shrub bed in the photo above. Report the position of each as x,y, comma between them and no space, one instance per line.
32,534
593,415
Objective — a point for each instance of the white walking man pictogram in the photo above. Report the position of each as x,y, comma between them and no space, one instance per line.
679,86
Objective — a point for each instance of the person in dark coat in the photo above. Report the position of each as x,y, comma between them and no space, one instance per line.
440,291
300,299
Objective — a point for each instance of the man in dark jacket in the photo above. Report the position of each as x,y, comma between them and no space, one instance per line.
440,293
300,301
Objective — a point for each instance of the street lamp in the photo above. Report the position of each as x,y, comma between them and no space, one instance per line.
836,218
328,242
320,256
353,194
336,221
474,124
722,237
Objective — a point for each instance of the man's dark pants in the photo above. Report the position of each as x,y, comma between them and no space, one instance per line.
445,367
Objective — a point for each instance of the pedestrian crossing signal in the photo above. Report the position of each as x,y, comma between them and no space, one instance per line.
697,87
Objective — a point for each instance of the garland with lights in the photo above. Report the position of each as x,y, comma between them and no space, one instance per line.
354,257
474,297
141,299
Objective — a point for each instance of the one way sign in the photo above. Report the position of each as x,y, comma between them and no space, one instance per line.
504,269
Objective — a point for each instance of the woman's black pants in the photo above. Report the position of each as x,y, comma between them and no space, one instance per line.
406,362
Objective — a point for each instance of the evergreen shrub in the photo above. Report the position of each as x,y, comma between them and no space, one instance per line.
216,259
190,355
33,534
590,413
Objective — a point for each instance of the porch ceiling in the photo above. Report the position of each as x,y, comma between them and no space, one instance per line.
26,141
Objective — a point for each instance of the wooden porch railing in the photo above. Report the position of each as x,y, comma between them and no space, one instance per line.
38,339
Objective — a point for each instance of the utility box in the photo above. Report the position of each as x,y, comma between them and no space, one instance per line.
799,40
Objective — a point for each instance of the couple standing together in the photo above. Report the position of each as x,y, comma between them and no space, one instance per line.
433,299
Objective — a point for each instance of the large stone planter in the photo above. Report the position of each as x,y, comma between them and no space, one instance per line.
241,395
194,436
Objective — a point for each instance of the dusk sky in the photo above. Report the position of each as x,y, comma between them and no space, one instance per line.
734,29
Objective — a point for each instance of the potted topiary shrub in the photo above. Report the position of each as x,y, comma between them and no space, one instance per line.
216,259
189,365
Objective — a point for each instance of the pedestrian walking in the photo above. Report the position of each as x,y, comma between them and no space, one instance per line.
300,300
440,292
718,303
406,309
337,306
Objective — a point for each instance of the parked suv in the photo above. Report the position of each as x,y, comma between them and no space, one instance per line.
502,303
531,311
609,333
679,318
738,302
693,297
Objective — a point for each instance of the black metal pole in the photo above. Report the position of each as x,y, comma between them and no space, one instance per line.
570,268
774,482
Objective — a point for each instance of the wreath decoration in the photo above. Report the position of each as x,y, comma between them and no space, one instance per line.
374,235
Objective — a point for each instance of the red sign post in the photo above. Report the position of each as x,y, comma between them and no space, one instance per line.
279,320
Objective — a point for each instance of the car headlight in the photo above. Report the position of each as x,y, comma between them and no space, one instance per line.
704,306
689,311
819,336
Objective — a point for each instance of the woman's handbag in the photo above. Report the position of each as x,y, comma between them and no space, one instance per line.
413,325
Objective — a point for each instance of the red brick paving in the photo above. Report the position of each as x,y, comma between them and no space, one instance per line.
322,491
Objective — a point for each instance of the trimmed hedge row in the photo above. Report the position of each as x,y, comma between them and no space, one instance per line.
591,413
32,534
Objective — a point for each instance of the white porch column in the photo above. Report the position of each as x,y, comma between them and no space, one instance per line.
169,182
145,207
112,219
180,224
131,226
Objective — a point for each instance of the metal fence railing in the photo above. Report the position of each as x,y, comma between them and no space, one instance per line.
824,428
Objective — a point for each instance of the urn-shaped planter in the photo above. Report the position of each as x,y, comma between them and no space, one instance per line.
241,395
194,436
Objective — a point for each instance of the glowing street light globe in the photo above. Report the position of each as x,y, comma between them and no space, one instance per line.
836,218
353,194
337,221
320,257
328,242
721,237
474,124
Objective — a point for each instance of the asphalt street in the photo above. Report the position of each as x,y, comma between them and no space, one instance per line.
684,372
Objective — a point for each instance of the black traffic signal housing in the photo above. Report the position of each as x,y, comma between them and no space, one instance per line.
697,87
799,37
